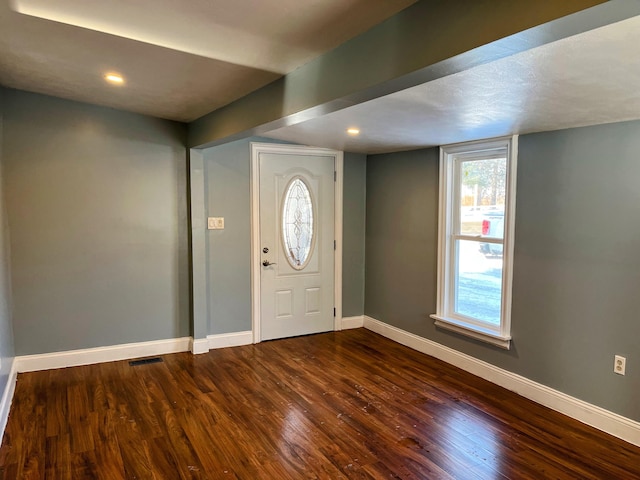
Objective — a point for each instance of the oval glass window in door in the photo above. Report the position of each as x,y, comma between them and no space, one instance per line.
297,223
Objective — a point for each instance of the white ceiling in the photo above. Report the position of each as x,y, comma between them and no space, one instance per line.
587,79
180,59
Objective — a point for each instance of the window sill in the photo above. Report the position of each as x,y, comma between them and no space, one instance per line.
473,332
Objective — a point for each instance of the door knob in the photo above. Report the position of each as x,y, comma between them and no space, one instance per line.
267,263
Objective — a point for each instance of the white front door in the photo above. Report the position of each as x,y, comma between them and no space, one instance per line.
296,244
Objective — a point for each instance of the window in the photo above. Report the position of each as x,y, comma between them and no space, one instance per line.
297,223
476,230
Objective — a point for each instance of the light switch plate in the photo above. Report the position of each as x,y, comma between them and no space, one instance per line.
215,223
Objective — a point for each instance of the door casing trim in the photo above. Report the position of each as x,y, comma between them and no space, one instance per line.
274,148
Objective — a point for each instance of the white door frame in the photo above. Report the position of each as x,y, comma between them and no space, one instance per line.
273,148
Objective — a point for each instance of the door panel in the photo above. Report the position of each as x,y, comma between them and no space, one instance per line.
297,244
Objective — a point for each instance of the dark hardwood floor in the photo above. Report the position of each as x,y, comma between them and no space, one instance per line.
338,405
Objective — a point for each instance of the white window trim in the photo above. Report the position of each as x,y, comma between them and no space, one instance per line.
502,336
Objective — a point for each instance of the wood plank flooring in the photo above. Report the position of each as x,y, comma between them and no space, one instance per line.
348,404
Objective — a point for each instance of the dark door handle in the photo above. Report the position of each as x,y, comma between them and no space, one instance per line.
267,263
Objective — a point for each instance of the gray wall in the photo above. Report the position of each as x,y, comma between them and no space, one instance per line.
577,275
227,187
97,210
401,238
227,179
6,331
353,235
576,266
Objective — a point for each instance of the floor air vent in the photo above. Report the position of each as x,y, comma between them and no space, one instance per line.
144,361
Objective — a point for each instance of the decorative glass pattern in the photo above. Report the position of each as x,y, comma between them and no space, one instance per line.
297,223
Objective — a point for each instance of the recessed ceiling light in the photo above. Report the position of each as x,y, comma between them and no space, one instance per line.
353,131
114,78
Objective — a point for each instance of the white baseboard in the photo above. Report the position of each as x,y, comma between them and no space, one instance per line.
221,340
597,417
7,398
352,322
88,356
235,339
199,345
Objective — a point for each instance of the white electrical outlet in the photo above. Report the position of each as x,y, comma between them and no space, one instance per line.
215,223
619,365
